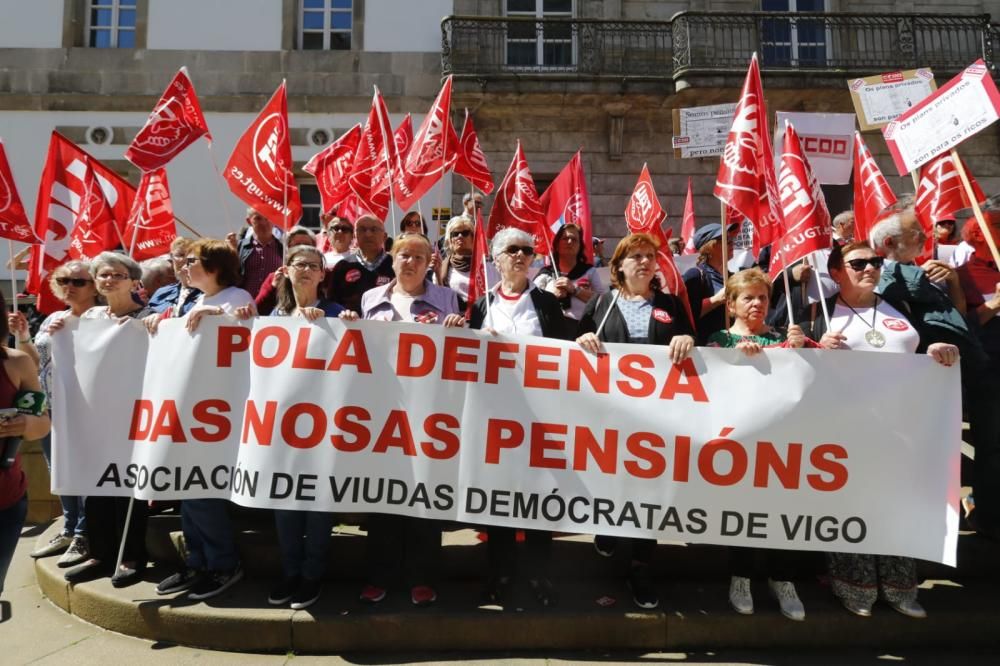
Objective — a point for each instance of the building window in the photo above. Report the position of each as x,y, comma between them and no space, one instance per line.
326,24
534,44
111,24
309,193
793,43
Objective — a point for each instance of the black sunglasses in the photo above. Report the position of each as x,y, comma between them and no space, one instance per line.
76,282
945,223
461,233
858,265
343,228
526,250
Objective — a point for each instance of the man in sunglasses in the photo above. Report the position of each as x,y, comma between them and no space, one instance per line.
368,267
473,203
339,236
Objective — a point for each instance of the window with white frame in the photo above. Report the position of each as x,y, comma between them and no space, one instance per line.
793,43
111,24
532,44
325,24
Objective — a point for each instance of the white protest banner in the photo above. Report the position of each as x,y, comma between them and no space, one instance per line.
702,131
827,140
967,104
880,99
787,449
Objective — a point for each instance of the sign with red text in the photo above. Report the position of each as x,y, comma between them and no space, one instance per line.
964,106
827,139
520,431
880,99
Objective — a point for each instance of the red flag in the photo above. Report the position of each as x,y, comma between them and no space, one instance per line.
435,150
74,186
332,166
13,220
517,203
746,178
175,123
402,139
471,163
940,193
370,177
687,226
644,215
871,191
477,271
803,207
566,202
260,169
150,228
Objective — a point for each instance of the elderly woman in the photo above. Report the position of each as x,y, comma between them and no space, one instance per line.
396,542
19,376
454,271
747,297
636,311
265,298
174,300
514,306
72,284
212,565
573,281
117,279
704,281
862,320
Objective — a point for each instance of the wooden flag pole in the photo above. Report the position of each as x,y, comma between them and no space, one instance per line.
13,278
222,195
985,228
788,296
725,260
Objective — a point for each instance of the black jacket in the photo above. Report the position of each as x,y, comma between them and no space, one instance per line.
616,330
553,322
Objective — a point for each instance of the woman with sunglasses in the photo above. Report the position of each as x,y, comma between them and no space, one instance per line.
339,236
637,312
71,283
574,281
861,320
117,279
455,270
517,307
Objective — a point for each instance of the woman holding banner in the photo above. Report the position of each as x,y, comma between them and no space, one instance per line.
747,297
400,542
117,278
862,320
265,298
514,306
71,283
573,281
636,311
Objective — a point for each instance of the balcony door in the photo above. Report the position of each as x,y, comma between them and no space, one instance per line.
534,45
793,42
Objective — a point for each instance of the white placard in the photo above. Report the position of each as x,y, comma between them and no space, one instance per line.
882,98
702,131
827,140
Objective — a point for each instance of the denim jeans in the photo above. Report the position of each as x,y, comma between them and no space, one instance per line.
11,521
304,539
74,517
208,535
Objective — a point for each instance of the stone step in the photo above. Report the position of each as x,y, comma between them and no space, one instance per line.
694,615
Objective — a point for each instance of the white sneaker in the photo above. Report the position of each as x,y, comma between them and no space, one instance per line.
77,552
784,592
739,595
56,544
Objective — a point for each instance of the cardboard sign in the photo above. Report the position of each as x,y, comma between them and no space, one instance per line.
827,140
964,106
701,131
880,99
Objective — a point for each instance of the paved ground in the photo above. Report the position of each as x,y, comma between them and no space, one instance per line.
33,631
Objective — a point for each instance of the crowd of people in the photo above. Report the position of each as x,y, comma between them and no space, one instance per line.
877,300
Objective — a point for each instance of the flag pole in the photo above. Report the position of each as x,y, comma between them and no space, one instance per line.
388,167
975,206
605,318
13,278
788,297
222,194
725,259
121,546
822,300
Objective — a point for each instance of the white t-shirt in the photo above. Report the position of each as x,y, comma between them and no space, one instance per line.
403,306
899,335
513,316
961,255
229,299
458,282
332,258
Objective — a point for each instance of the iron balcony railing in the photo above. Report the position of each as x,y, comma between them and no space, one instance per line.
694,43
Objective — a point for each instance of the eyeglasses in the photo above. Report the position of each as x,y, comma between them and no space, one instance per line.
858,265
526,250
177,257
343,228
461,233
112,277
305,266
76,282
191,261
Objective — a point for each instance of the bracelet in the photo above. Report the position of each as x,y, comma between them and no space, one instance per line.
24,341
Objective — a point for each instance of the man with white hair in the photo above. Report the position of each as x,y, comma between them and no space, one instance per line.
843,227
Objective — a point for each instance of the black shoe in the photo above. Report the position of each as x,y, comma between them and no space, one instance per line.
184,579
127,574
307,594
605,545
283,592
87,570
545,592
643,593
214,583
498,591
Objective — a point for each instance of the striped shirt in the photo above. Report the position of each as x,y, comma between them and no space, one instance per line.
263,260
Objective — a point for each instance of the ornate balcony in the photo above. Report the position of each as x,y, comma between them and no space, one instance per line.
696,44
